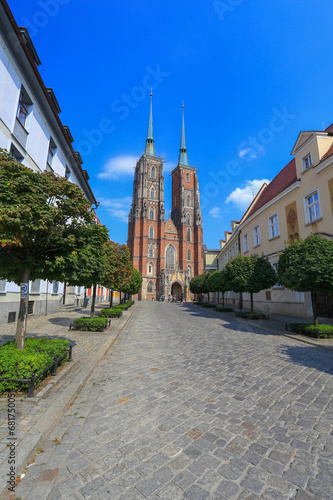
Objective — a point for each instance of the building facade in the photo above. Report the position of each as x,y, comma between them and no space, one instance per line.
31,130
166,252
298,202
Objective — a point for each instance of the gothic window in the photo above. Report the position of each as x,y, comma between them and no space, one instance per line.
151,231
151,252
188,201
188,254
150,287
188,235
188,219
152,193
151,213
152,174
189,268
150,268
170,257
187,177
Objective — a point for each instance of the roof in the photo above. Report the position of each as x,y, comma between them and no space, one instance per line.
281,181
328,153
330,128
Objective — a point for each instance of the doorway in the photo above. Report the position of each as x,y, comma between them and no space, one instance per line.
177,290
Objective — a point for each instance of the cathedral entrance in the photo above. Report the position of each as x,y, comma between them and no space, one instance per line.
177,290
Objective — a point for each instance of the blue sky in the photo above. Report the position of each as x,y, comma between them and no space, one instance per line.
252,74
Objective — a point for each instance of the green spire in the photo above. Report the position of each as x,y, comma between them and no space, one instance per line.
150,148
183,159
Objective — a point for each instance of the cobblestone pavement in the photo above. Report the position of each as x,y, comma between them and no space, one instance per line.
190,406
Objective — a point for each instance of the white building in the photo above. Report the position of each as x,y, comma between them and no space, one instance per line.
31,130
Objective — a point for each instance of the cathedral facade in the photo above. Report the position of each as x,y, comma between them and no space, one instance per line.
166,252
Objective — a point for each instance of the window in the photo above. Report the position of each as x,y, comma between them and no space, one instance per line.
67,172
152,173
55,287
256,236
152,193
189,268
188,254
151,231
16,154
23,108
188,201
35,286
170,257
187,177
307,161
150,287
51,153
150,252
150,269
3,286
151,213
312,207
188,235
273,223
246,242
188,219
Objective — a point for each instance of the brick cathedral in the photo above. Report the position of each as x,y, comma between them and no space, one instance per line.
167,253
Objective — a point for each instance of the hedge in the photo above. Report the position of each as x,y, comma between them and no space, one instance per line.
36,356
206,304
224,309
111,313
251,315
309,329
90,324
122,307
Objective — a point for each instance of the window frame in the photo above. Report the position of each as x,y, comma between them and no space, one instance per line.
150,252
23,107
188,219
187,177
150,282
189,254
151,211
188,235
272,224
304,161
256,236
152,193
171,247
153,173
307,206
151,231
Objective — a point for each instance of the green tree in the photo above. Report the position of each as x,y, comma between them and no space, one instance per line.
41,217
307,266
119,267
198,285
216,282
134,286
88,263
249,274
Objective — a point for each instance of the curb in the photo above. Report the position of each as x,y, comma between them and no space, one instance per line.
269,330
28,446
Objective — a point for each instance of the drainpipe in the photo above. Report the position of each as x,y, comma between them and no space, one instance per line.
240,304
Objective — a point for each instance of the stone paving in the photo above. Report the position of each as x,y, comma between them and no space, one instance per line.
186,405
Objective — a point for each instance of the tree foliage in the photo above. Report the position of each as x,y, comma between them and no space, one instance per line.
134,285
119,267
198,284
216,282
249,274
307,266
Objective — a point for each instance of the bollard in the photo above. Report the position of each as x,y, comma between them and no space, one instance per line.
31,390
54,366
70,349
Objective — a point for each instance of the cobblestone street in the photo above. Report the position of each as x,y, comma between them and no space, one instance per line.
189,405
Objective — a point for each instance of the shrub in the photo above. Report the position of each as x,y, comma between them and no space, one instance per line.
251,315
90,324
209,305
36,356
320,331
198,303
131,302
111,313
122,307
224,309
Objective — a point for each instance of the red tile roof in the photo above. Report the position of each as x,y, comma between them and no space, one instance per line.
328,153
281,181
330,128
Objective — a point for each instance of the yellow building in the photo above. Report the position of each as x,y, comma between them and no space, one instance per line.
295,204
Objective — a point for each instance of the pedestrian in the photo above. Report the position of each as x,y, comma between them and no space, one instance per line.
169,298
173,299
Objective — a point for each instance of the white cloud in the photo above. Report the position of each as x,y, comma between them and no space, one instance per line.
118,207
215,212
242,196
249,153
119,166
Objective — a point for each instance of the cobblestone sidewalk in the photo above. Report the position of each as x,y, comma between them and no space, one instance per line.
187,405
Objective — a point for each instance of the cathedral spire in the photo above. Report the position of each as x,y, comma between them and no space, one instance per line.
150,148
183,159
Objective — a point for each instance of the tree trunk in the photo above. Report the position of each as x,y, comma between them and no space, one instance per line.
251,294
222,299
314,308
208,297
21,326
111,299
119,297
93,300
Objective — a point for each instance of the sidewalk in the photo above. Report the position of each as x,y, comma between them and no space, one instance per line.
276,324
36,417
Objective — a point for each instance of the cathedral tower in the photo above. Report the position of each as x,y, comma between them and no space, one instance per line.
167,253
